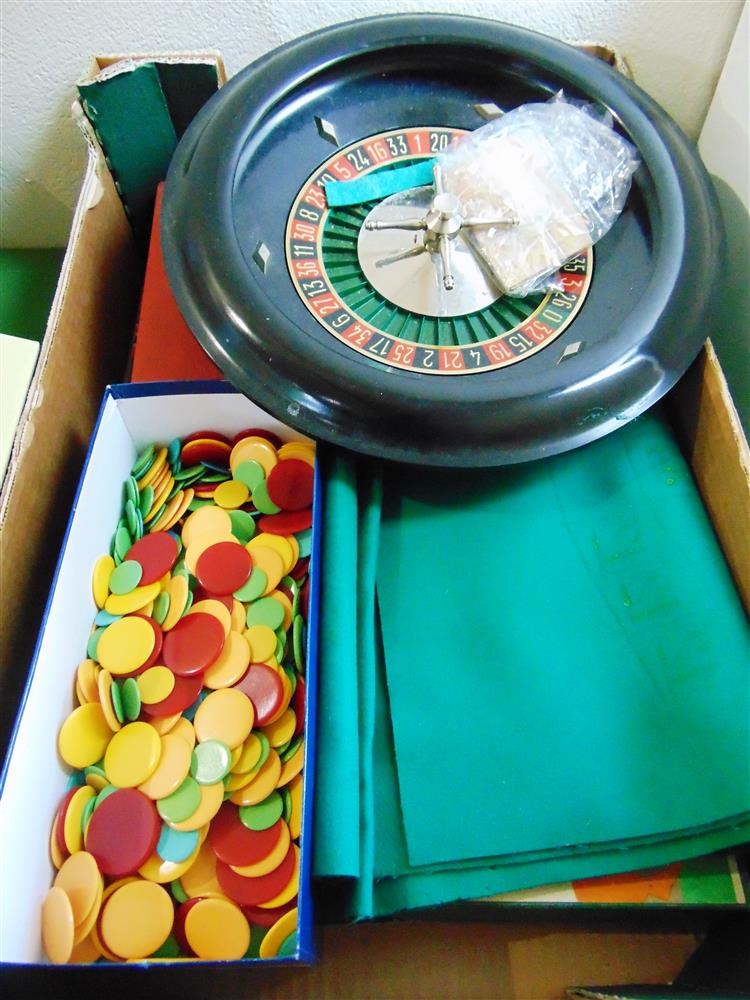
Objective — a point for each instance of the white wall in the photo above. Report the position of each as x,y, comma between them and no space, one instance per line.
724,142
675,48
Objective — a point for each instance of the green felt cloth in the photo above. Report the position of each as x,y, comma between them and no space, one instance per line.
368,637
337,820
545,627
360,826
399,887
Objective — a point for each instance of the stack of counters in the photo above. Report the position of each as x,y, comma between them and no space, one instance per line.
178,835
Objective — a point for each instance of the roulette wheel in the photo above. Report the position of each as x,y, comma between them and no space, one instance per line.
287,296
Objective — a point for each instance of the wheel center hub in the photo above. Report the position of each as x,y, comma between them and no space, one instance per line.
407,267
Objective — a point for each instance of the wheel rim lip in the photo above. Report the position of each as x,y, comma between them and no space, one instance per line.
637,368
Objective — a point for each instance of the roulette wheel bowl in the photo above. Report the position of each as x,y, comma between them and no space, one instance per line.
320,107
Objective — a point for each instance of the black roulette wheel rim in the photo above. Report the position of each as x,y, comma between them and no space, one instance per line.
256,328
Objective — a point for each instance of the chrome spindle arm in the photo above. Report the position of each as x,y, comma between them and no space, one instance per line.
473,222
410,224
414,251
446,255
442,223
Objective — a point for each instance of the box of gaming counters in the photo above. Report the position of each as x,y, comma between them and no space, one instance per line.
155,804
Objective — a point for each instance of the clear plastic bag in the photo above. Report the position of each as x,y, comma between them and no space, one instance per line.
557,172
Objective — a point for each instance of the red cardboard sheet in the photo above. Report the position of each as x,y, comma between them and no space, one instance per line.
164,346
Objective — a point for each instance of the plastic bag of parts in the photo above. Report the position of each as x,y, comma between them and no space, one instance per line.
556,174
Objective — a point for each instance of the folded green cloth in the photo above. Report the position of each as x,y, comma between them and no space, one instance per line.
567,656
399,886
368,643
336,817
563,664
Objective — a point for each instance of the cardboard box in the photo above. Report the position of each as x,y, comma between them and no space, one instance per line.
87,344
131,417
85,347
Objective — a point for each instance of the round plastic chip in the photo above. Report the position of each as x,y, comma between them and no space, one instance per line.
156,553
210,762
123,832
290,485
57,926
193,644
125,645
84,736
226,715
181,804
217,929
137,919
132,755
125,577
265,689
224,567
264,814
